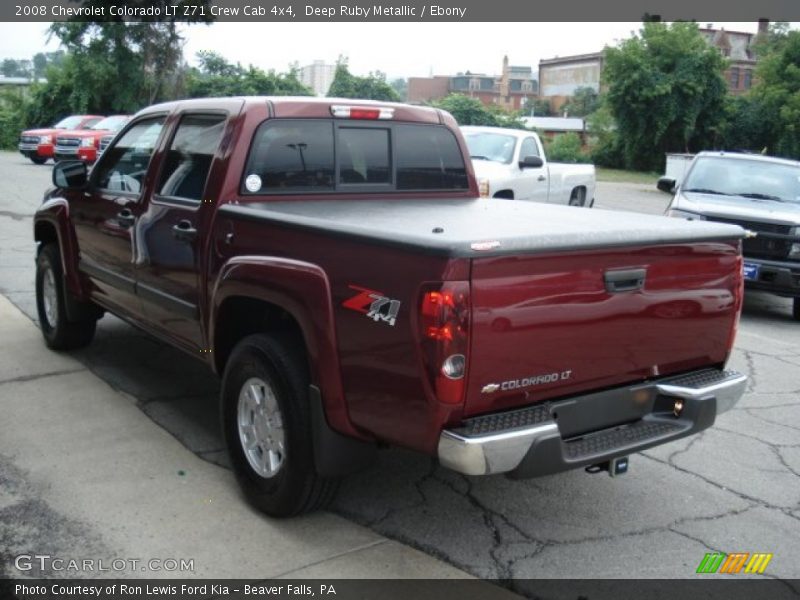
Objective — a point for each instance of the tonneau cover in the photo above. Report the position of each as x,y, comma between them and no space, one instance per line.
452,227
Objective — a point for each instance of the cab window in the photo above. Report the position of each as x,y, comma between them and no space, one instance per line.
124,165
188,160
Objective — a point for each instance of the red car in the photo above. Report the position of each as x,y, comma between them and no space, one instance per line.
38,144
83,144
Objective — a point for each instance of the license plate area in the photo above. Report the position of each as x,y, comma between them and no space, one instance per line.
750,271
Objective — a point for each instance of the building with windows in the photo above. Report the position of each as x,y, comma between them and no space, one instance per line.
738,48
512,89
559,77
318,76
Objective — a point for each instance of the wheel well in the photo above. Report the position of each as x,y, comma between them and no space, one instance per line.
581,192
240,316
509,194
45,233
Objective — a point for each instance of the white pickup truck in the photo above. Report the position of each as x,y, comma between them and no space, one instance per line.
511,163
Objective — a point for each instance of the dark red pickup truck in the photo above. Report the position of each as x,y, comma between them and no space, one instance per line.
332,261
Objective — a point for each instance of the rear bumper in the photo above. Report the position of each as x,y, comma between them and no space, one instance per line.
778,277
551,437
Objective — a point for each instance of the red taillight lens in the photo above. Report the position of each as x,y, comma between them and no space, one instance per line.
361,112
444,330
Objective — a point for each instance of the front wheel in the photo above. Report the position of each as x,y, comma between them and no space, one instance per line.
59,331
38,160
796,309
267,426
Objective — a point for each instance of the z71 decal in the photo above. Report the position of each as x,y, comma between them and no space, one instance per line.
373,304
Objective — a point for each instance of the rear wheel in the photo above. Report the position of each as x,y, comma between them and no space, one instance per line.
796,309
59,331
267,427
38,160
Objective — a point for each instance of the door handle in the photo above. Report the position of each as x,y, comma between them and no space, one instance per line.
125,217
627,280
184,231
541,178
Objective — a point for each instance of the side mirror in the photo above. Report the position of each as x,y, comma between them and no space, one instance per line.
70,174
531,162
666,184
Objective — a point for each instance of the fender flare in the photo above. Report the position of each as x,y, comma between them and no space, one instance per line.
55,213
301,289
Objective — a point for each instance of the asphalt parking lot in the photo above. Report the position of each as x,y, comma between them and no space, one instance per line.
734,488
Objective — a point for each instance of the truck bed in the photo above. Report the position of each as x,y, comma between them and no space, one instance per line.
513,227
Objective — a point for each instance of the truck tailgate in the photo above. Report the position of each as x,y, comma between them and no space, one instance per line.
551,325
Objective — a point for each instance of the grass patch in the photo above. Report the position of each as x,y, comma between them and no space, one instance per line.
621,176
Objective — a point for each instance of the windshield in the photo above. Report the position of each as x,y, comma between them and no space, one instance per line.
111,123
757,179
491,146
69,123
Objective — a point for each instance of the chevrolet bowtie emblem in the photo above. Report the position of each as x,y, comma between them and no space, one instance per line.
489,388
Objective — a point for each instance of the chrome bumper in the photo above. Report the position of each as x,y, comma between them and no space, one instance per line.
531,442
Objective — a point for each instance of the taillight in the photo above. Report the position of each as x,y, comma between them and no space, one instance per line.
361,112
444,330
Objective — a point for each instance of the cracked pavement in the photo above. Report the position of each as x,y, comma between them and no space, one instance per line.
734,488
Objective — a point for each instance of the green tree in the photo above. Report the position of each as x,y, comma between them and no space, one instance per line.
774,104
371,87
566,147
584,102
16,68
218,77
541,107
467,110
400,86
666,93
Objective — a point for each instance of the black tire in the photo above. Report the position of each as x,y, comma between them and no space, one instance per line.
578,197
60,332
294,487
38,160
796,309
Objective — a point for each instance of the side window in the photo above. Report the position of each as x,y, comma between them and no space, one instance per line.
291,156
189,157
528,148
428,158
124,165
364,155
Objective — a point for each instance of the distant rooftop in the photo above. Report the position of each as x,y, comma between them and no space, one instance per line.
555,123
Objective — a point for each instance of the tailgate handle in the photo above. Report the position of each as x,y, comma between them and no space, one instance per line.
626,280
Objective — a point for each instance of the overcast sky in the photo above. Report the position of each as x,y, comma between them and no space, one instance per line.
398,49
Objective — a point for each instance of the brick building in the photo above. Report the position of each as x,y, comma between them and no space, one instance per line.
559,77
512,89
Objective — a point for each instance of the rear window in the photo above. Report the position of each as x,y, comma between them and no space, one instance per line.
428,158
293,156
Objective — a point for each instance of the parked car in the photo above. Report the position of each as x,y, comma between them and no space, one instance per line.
38,144
83,144
511,163
104,142
332,261
759,193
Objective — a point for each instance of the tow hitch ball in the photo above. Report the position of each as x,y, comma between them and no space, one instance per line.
614,467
